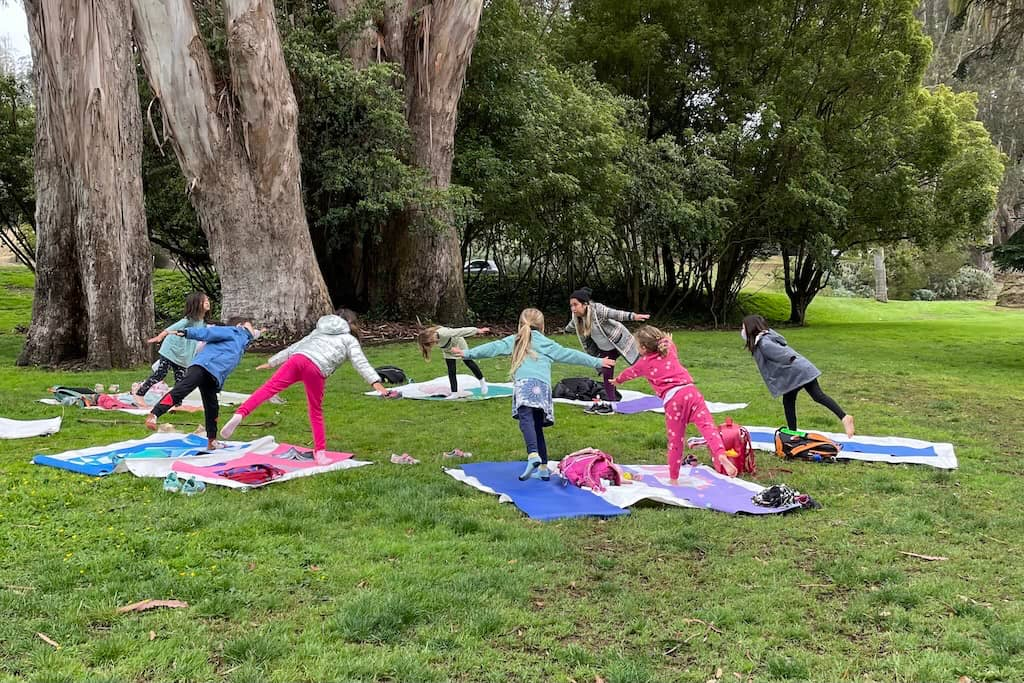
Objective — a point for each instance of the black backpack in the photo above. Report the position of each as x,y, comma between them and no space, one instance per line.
581,389
389,374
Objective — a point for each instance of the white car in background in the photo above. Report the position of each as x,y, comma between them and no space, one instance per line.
480,267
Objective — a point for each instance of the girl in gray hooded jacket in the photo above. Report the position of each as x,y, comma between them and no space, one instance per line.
311,360
786,372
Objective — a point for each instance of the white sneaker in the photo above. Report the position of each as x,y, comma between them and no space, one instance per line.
483,387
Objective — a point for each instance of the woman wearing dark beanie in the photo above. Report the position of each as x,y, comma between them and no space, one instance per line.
601,333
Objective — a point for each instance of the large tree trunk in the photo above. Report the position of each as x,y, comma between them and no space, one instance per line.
417,269
242,165
93,300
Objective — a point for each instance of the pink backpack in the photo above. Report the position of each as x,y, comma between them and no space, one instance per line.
588,467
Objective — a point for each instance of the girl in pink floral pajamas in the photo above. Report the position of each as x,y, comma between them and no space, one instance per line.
659,364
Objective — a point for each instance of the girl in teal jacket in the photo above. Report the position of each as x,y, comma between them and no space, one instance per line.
532,355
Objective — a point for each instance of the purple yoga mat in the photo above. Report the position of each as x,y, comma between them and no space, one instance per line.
637,405
702,487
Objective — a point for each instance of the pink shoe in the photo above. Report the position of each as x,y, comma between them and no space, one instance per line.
458,453
404,459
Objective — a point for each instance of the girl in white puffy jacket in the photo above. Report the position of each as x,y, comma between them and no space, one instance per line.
311,360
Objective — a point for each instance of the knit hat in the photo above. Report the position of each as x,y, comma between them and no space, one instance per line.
582,295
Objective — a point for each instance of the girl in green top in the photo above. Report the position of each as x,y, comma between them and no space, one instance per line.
532,355
177,352
447,339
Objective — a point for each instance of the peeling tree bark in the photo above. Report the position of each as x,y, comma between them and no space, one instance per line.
93,300
417,269
239,150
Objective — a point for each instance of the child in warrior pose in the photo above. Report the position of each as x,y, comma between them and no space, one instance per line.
532,354
311,360
448,338
786,372
176,353
225,345
684,404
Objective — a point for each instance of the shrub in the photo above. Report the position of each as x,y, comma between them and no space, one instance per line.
923,295
968,283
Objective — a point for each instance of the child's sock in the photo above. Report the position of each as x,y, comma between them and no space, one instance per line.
532,463
229,428
483,387
320,457
151,422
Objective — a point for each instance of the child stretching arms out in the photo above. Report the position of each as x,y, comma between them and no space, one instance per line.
659,364
311,360
448,338
532,354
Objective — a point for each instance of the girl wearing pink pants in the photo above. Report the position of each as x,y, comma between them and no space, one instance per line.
311,360
683,401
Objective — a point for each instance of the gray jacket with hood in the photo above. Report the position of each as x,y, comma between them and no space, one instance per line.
782,368
328,346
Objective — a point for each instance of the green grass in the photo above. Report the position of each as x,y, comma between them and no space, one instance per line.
402,574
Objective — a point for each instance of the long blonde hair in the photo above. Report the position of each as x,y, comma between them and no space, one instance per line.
426,340
530,319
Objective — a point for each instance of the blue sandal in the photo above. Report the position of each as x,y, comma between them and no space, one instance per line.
192,487
172,484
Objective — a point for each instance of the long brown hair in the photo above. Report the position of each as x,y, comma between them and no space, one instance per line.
349,316
194,306
530,319
427,339
652,340
753,325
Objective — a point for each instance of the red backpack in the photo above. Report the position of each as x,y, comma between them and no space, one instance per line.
588,467
737,439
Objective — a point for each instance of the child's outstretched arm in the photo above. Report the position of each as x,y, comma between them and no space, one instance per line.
630,373
216,333
560,354
502,347
180,325
363,367
458,331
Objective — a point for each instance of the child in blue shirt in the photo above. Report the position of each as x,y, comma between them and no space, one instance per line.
223,352
532,354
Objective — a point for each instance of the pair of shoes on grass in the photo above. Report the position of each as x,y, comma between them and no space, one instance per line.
599,408
190,487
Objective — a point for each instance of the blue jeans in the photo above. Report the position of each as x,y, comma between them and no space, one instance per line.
531,424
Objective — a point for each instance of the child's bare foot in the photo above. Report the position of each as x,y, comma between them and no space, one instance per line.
213,445
151,422
848,425
320,458
673,482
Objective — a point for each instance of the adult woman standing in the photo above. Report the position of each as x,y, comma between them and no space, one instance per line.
602,334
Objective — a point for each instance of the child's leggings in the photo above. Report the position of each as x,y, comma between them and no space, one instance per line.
531,424
686,406
815,392
297,368
196,377
453,380
163,366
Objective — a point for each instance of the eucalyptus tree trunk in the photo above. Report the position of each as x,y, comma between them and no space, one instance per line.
93,293
417,268
237,148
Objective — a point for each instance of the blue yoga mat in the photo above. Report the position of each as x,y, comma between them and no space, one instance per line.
100,464
543,500
854,446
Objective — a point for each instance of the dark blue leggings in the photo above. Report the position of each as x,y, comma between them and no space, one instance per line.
531,424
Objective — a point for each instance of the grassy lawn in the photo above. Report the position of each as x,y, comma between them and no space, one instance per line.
402,574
